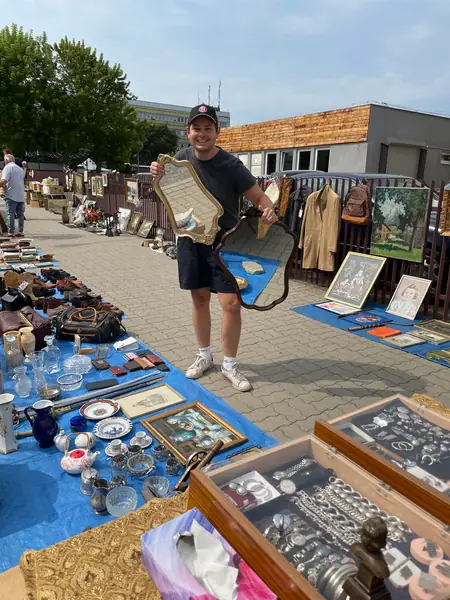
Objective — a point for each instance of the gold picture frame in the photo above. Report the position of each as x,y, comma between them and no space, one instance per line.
78,184
150,400
132,191
192,210
191,428
134,223
145,228
354,280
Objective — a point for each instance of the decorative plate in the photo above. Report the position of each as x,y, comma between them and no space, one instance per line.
99,409
112,428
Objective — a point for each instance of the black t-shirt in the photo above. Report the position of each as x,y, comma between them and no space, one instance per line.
225,177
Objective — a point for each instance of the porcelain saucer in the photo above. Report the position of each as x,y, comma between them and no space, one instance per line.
144,443
111,455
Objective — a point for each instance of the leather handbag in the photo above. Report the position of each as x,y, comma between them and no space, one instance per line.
90,325
26,317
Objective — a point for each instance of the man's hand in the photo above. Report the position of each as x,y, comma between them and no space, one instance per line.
156,170
268,215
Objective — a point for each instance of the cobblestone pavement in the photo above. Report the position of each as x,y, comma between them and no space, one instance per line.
301,369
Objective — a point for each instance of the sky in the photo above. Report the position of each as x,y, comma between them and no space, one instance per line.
275,58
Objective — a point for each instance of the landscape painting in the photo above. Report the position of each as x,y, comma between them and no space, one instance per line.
399,223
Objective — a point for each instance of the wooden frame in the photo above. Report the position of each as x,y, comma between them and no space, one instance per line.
134,223
78,184
434,502
329,295
208,237
145,228
149,424
98,182
222,246
132,190
129,404
407,281
440,328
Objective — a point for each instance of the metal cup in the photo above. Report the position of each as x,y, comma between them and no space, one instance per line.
88,476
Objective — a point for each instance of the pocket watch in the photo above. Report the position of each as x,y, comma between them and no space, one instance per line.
287,486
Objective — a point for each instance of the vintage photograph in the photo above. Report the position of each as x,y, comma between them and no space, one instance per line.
145,228
134,223
440,328
132,191
78,184
151,400
399,223
355,279
99,186
191,428
408,297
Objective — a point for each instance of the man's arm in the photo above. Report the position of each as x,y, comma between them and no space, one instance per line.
3,182
263,203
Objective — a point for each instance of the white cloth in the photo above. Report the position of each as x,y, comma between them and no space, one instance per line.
15,184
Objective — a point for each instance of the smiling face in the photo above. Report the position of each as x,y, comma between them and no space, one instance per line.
202,134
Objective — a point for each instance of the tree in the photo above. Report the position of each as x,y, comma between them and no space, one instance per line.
414,210
160,139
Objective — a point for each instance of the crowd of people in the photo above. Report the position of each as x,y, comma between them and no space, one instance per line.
12,180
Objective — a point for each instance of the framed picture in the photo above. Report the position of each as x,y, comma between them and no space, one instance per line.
355,279
98,182
124,218
132,190
434,326
408,297
134,223
399,223
78,184
336,307
151,400
92,186
105,179
191,428
404,340
430,337
145,228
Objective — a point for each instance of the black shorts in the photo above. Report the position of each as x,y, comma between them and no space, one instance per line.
198,268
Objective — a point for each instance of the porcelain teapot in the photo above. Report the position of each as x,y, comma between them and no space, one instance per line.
75,461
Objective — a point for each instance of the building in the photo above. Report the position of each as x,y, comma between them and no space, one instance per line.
371,138
176,117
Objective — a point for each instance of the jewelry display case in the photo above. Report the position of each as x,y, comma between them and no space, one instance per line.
402,441
293,512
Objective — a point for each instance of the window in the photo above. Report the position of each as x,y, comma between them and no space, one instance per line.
304,160
271,163
244,159
445,158
256,165
322,160
287,160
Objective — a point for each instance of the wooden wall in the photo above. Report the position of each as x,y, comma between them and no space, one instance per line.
342,126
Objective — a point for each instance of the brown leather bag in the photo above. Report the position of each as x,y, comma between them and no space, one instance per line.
27,317
358,205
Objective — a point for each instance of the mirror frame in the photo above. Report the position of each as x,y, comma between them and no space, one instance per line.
206,238
287,270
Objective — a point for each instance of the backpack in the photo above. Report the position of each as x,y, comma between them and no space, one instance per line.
358,205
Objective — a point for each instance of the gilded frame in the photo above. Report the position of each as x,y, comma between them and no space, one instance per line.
145,223
206,238
134,223
78,184
154,431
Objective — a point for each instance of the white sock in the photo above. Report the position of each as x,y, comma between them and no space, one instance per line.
229,362
206,353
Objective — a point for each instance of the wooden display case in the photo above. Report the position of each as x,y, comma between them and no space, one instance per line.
271,566
436,502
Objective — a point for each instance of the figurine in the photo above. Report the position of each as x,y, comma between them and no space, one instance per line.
368,583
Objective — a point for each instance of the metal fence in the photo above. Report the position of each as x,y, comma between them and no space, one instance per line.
435,264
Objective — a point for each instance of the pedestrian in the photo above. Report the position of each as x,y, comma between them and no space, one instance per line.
13,183
226,178
16,160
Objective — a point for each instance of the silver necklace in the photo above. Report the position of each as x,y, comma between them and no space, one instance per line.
287,474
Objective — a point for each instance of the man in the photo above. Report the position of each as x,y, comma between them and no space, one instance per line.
227,179
13,183
16,160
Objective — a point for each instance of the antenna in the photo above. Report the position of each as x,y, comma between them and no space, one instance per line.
198,98
209,95
218,100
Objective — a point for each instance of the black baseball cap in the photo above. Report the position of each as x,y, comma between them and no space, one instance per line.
203,110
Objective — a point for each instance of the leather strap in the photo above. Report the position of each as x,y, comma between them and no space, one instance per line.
78,315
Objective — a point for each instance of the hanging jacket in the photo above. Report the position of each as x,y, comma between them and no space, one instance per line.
319,235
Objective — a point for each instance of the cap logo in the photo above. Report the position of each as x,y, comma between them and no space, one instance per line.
202,109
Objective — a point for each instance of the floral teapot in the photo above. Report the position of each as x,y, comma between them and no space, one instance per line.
75,461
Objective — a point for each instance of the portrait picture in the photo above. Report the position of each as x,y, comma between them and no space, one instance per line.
191,428
408,297
132,191
399,223
355,279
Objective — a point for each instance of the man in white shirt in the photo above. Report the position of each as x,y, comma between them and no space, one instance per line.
13,183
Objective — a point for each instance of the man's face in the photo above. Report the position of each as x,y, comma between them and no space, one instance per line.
202,134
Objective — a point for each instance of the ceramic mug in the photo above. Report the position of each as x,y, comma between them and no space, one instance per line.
116,447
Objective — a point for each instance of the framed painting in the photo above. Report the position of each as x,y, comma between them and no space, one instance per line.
404,340
191,428
145,228
355,279
430,337
132,191
78,184
444,224
336,307
440,328
124,218
92,186
134,223
98,182
399,223
150,400
408,297
105,179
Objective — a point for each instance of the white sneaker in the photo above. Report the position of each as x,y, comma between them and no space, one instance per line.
238,380
200,366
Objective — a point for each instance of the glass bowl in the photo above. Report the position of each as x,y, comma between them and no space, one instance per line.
121,500
70,382
158,483
78,363
140,465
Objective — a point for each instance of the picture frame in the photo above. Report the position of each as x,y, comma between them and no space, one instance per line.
134,223
430,337
98,182
399,222
92,186
404,340
354,280
78,184
408,297
336,308
444,224
105,179
145,228
151,400
132,191
440,328
125,216
182,430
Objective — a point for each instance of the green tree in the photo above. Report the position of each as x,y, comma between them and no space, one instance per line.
26,75
415,204
160,139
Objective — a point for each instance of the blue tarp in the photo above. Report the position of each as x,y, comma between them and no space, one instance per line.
256,283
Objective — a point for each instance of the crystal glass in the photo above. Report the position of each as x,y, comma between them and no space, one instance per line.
158,483
121,501
40,381
23,384
173,467
101,350
161,452
77,363
140,465
118,471
13,354
52,355
70,382
37,360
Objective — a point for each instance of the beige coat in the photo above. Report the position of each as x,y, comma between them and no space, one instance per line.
319,237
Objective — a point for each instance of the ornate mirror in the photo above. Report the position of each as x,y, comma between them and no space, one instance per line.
193,212
259,257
